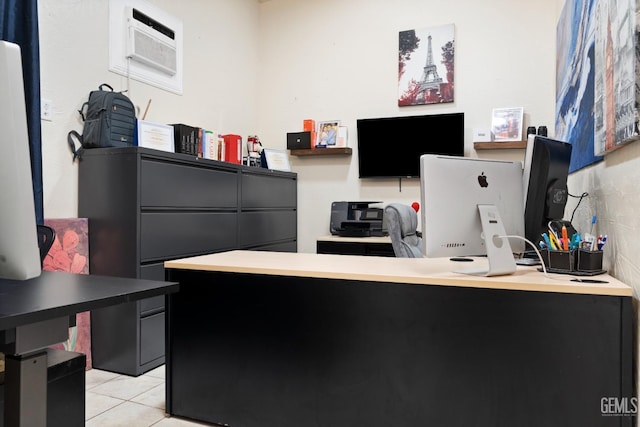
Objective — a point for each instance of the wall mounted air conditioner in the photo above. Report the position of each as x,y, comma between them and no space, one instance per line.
150,42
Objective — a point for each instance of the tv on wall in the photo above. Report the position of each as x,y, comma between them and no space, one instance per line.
390,147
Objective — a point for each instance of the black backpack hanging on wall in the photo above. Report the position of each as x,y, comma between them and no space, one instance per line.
109,120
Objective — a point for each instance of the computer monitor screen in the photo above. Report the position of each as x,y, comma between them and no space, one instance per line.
451,190
546,167
19,253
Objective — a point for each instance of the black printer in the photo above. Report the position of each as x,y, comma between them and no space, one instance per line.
357,219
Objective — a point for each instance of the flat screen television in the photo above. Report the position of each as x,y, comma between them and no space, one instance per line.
390,147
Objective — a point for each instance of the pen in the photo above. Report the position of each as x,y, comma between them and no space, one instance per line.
576,241
601,241
548,241
555,242
552,232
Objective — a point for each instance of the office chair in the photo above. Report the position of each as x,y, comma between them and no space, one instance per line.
46,236
402,224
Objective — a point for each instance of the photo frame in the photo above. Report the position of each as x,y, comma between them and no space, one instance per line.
154,135
343,137
277,160
506,124
327,134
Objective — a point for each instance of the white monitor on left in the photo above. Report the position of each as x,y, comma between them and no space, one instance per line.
19,252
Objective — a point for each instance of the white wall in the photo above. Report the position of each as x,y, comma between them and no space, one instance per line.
331,59
220,78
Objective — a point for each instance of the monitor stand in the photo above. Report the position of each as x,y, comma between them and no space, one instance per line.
499,253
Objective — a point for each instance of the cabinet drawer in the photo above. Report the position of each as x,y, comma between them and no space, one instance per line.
151,305
175,185
176,234
151,338
259,191
152,271
257,228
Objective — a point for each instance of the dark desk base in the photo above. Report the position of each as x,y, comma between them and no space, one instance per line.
268,351
65,389
34,314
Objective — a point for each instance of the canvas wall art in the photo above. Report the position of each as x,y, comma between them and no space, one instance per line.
596,81
426,66
575,77
70,253
616,70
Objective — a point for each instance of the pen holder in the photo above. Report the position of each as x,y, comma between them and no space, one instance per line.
559,260
589,260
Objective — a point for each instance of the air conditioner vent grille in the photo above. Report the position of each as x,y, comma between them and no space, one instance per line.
153,52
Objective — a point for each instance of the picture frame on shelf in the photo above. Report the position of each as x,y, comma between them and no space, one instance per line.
506,124
154,135
327,134
276,159
343,137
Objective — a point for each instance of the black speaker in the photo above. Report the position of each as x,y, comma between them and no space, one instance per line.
298,140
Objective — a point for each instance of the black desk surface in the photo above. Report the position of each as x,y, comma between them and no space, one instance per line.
57,294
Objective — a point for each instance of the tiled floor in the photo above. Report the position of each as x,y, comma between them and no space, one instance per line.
119,400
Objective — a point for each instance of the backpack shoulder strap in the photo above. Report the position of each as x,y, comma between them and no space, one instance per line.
82,111
77,152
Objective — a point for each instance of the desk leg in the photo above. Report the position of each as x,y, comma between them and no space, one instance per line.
26,390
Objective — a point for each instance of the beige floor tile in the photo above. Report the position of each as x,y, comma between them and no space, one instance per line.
94,377
96,404
128,414
125,387
158,372
119,400
155,397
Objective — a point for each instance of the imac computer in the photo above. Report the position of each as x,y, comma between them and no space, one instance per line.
546,167
468,205
19,252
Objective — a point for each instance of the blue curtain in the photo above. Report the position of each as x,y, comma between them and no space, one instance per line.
19,24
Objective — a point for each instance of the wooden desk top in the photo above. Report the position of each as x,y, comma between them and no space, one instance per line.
421,271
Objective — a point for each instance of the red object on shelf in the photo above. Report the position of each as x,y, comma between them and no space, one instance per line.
233,148
415,206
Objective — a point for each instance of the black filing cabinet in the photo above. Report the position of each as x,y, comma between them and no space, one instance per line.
146,207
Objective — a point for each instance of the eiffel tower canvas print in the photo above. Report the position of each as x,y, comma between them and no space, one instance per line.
425,66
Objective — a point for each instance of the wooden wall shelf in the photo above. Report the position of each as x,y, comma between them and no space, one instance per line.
499,145
322,151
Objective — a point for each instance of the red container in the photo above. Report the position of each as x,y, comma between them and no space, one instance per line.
233,148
